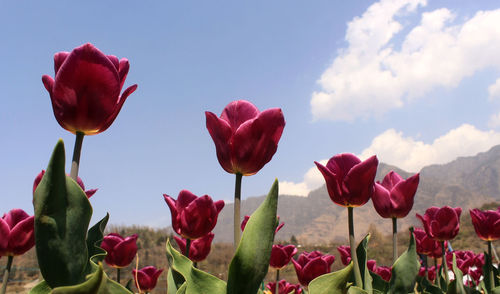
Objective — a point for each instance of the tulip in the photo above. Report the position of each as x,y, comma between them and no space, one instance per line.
431,272
284,287
39,177
247,217
16,237
311,265
442,224
85,93
281,255
245,140
193,217
345,254
371,264
121,251
384,272
349,182
486,223
146,278
199,248
464,259
426,245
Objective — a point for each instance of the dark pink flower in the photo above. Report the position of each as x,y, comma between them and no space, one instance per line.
384,272
281,255
245,138
39,177
431,272
193,217
121,251
371,264
86,90
16,233
486,223
393,198
345,254
247,217
146,278
311,265
427,245
284,287
199,249
465,259
349,180
441,224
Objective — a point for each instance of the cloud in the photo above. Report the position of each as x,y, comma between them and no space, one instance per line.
371,77
410,154
494,121
494,90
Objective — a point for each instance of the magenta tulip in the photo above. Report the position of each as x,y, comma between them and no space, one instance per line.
39,177
349,180
121,251
281,255
427,245
284,287
431,272
384,272
86,90
193,217
247,217
345,254
245,138
16,233
146,278
441,224
199,248
393,198
312,265
486,223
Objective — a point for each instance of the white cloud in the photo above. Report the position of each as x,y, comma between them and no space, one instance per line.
410,154
370,77
494,90
494,121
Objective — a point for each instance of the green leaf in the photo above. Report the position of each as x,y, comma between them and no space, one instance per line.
250,263
196,281
487,267
378,283
405,269
62,216
94,239
91,286
40,288
336,282
456,286
356,290
174,281
361,251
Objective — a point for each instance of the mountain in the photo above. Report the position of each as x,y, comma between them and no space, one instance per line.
467,182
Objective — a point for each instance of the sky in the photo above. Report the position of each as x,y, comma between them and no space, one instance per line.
414,82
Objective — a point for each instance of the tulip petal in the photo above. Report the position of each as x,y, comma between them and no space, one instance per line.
22,236
381,199
220,131
124,252
143,281
313,269
340,164
4,235
184,199
59,59
181,242
48,82
391,179
402,196
360,180
123,69
238,112
118,107
332,184
15,216
114,60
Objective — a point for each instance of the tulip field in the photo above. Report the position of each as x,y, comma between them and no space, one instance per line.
75,256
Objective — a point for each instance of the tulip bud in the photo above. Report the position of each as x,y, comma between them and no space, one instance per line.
441,224
146,278
393,198
199,248
16,233
486,223
121,251
311,265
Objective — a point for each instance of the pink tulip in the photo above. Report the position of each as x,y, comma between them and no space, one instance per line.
146,278
284,287
86,90
199,248
384,272
393,198
441,224
193,217
16,233
345,254
486,223
121,251
427,245
245,138
431,272
39,177
312,265
349,180
281,255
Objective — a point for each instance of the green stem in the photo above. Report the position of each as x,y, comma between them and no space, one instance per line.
492,277
75,164
445,266
436,268
394,239
352,243
118,275
237,216
6,273
188,246
277,289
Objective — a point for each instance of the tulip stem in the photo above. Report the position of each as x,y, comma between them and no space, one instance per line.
118,275
437,280
188,246
75,164
237,215
444,265
492,278
277,281
394,239
6,273
352,243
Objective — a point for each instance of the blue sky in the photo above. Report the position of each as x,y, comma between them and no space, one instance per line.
414,82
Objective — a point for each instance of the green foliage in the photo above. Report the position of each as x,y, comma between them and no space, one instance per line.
94,239
456,286
362,253
336,282
405,269
250,263
62,216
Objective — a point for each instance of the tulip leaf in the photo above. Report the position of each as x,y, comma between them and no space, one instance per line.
174,281
378,283
336,282
91,286
362,253
250,263
62,216
94,239
40,288
405,269
196,281
487,267
356,290
456,286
